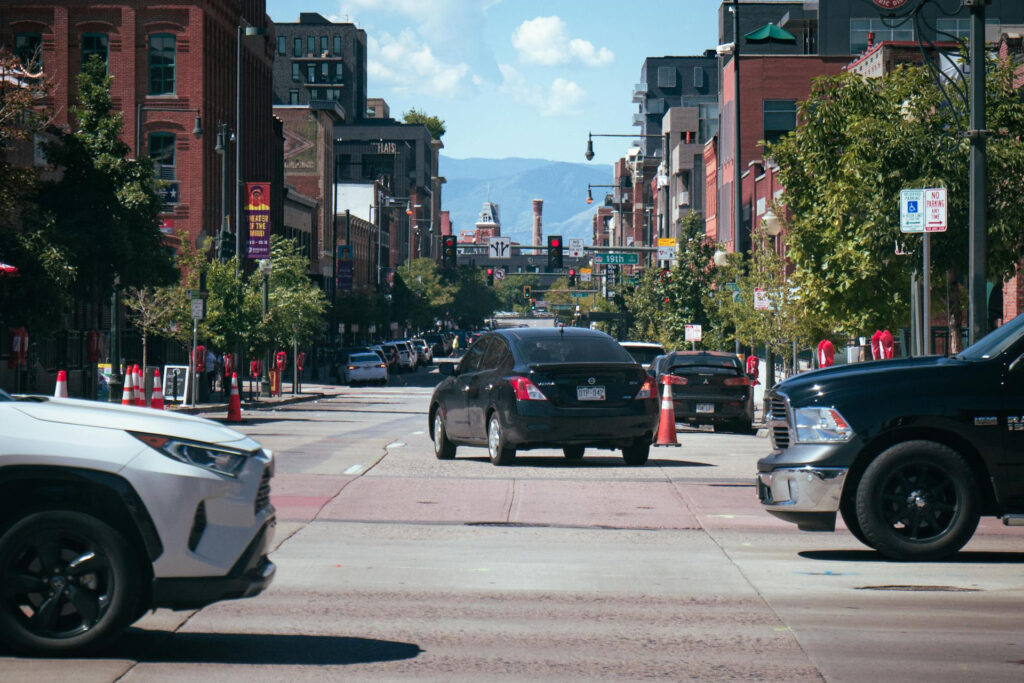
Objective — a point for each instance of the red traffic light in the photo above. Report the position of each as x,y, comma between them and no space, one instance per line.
490,271
572,271
555,242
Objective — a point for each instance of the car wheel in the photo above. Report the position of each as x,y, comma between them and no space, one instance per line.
636,454
443,448
918,501
573,452
848,511
68,583
496,448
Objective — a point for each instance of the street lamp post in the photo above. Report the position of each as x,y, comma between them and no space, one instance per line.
223,137
240,31
265,267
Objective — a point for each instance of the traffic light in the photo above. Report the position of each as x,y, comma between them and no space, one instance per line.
449,251
554,251
490,277
572,277
225,245
526,292
533,304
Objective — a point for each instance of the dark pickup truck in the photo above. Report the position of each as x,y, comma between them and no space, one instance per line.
911,452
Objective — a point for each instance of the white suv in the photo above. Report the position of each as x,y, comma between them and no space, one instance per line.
109,511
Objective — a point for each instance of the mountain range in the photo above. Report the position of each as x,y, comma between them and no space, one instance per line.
513,184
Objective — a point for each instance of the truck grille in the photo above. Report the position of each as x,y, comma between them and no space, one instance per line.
263,494
779,422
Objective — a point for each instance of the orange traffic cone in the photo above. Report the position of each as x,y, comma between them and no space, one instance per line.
667,424
235,402
61,390
128,390
157,402
140,388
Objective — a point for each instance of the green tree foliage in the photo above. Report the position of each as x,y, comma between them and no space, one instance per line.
509,292
429,293
433,124
473,301
102,212
296,304
664,302
859,143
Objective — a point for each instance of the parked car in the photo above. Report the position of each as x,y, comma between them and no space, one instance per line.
426,356
393,357
656,368
716,391
438,348
366,368
911,451
408,355
108,511
569,388
643,352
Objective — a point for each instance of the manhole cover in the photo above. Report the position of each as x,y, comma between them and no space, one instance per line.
920,589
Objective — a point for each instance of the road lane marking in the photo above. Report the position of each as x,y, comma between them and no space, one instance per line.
355,469
395,444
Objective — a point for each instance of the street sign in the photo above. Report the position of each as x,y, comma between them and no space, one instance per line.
198,309
692,333
499,247
912,211
935,209
617,259
561,307
499,274
575,247
761,302
581,295
586,274
666,249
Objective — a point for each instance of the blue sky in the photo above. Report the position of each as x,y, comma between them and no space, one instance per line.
523,78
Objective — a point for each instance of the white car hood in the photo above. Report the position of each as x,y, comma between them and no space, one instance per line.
115,416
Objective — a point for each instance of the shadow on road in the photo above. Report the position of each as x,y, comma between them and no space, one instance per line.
255,648
588,462
963,557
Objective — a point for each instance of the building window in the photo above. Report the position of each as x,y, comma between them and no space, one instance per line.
666,77
779,118
860,28
339,73
296,72
311,73
297,48
707,124
698,77
293,97
282,45
324,67
94,44
337,45
323,45
28,48
161,63
311,45
952,28
161,151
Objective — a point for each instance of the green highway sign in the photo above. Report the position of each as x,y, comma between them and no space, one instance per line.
617,259
561,307
581,295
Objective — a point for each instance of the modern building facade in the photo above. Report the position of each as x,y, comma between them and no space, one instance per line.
668,82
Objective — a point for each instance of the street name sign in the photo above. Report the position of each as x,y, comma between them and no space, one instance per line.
582,295
499,247
617,259
575,247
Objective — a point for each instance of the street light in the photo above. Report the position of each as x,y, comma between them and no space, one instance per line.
224,136
770,221
721,258
590,197
590,140
265,266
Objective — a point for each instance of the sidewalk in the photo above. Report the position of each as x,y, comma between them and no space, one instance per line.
309,392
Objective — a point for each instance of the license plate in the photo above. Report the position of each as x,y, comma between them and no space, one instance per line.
590,393
705,407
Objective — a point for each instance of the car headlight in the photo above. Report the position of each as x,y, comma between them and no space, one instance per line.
821,425
214,458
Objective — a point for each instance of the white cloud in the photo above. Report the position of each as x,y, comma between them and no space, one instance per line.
562,98
545,41
408,66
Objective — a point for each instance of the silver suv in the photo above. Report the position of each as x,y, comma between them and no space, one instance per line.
109,511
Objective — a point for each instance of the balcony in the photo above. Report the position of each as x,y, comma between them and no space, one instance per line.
682,158
638,119
639,92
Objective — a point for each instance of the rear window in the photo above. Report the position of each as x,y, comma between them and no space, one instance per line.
363,357
572,349
644,354
707,365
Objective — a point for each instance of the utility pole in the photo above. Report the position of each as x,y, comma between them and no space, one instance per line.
978,310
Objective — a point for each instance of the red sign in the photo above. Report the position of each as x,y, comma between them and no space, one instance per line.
890,4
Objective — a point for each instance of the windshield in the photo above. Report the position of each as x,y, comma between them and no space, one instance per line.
995,342
572,349
644,354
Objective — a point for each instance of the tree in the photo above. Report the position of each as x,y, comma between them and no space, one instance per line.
430,293
103,210
509,292
859,143
152,311
433,124
473,301
296,304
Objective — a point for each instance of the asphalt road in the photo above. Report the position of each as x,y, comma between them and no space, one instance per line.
393,565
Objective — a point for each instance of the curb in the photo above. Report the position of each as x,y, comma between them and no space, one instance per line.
247,405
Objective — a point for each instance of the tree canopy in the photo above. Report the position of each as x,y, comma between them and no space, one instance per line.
433,123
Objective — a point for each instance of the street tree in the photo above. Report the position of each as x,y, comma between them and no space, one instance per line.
152,310
509,292
473,301
859,142
296,305
434,124
429,291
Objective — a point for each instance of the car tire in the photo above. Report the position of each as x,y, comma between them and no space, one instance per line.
918,500
848,511
70,583
637,454
498,451
573,452
444,449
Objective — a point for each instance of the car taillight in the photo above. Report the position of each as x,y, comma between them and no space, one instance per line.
381,366
351,367
737,382
526,390
647,390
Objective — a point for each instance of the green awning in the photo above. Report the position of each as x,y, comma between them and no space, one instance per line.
770,33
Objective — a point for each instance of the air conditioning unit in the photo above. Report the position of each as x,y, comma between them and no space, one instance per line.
684,198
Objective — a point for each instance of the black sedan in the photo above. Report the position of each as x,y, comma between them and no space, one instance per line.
715,391
568,388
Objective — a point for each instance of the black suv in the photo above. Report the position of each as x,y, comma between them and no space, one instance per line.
911,452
